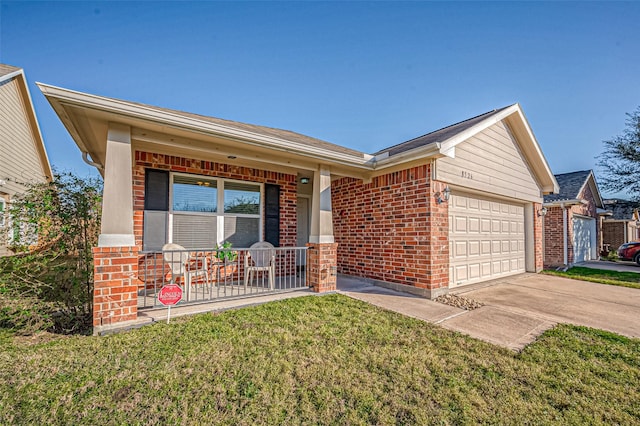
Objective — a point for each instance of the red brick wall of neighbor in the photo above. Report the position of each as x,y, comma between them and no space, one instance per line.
115,297
553,239
391,229
613,234
287,182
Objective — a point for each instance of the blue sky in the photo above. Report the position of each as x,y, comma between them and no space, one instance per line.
360,74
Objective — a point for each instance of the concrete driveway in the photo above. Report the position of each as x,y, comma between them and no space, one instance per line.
516,309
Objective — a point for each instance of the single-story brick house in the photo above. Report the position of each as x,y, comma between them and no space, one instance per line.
623,225
453,207
572,220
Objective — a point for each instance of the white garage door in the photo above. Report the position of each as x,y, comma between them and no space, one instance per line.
486,239
584,239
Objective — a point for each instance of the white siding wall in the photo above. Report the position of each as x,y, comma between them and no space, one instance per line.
490,162
19,160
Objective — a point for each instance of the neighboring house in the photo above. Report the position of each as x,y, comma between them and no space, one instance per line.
572,220
23,159
453,207
622,226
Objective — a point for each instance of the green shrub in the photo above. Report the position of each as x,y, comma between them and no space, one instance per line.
48,285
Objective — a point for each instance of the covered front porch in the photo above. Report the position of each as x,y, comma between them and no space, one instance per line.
202,183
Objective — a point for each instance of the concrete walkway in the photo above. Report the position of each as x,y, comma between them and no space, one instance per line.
517,309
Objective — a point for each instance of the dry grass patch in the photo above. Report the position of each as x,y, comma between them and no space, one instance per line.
317,360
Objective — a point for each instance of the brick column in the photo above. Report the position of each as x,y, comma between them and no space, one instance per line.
115,298
322,266
539,237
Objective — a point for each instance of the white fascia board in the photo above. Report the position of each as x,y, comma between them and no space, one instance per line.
384,160
598,195
11,75
202,126
474,130
565,203
37,133
555,187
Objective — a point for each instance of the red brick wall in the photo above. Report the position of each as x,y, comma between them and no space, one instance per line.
115,289
321,260
553,237
538,238
391,229
287,182
613,234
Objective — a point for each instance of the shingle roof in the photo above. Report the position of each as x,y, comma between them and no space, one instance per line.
621,209
570,185
7,69
262,130
440,135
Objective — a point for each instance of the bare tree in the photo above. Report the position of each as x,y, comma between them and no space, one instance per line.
620,161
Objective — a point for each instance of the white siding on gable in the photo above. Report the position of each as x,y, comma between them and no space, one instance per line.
19,160
490,162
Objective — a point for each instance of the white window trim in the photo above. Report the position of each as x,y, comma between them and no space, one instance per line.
219,214
3,201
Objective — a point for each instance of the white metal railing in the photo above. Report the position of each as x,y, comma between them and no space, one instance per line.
214,274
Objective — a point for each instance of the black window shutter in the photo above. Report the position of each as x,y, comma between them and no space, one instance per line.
156,190
272,214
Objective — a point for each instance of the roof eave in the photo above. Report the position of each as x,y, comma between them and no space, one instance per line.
564,203
58,97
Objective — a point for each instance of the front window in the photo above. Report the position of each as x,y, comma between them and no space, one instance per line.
208,211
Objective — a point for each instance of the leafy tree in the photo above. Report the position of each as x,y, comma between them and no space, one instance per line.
49,283
620,161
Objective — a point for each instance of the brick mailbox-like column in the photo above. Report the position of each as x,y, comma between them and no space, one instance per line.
322,266
115,288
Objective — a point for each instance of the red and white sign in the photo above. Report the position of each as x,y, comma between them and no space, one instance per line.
170,294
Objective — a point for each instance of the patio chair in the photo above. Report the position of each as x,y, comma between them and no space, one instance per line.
183,265
260,257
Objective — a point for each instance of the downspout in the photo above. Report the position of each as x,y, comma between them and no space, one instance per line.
564,234
85,158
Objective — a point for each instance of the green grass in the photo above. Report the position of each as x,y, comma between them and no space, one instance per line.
317,360
623,279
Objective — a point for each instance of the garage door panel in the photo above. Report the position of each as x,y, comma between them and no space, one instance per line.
487,239
485,247
486,269
474,248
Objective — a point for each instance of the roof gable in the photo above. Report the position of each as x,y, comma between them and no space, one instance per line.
8,74
439,135
572,187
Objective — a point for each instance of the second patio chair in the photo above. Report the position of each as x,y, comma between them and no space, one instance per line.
260,257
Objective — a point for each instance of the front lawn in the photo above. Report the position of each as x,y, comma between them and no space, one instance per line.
317,360
623,279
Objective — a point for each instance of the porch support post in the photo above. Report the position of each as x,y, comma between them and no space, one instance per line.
322,256
321,214
117,199
115,260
